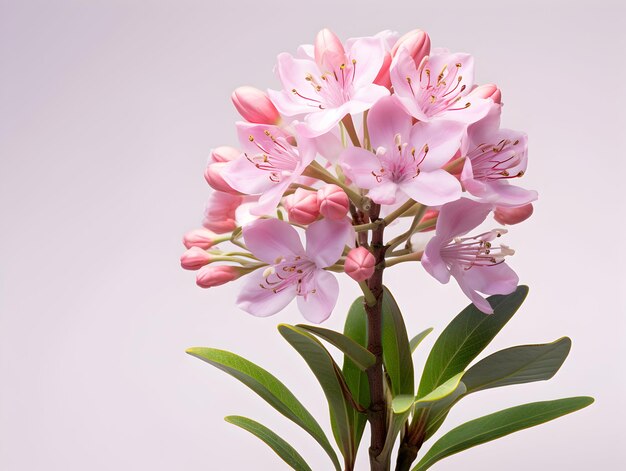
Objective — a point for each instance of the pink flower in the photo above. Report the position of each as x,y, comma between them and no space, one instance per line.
475,263
293,271
512,215
255,106
269,164
211,276
360,264
194,258
302,206
220,212
339,81
333,202
438,87
493,157
218,159
408,158
202,238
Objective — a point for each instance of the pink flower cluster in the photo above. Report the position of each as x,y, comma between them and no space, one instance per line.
376,125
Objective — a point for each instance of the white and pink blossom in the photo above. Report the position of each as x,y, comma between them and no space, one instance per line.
335,82
474,261
293,271
407,160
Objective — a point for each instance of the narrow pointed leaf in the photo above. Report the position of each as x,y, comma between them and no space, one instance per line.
362,357
415,341
283,449
442,391
402,403
465,337
268,387
356,379
517,365
497,425
332,382
396,348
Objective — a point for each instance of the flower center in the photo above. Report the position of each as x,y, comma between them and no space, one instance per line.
496,161
290,271
476,251
331,89
442,94
277,157
400,163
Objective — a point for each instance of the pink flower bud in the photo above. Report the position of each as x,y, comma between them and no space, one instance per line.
224,154
201,238
360,264
255,106
302,206
488,90
417,44
219,215
507,215
218,159
194,258
210,276
329,51
429,216
333,202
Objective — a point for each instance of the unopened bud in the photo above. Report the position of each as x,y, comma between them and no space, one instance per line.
416,43
210,275
218,159
429,215
202,238
194,258
255,106
360,264
302,206
507,215
488,90
329,51
333,202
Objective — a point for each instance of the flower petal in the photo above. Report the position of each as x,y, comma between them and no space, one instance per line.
358,164
326,239
369,54
318,305
461,216
432,261
433,188
384,192
269,239
386,119
263,302
443,139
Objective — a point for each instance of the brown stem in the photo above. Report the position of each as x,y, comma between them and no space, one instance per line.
377,411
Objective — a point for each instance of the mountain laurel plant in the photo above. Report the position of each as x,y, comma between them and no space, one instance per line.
375,152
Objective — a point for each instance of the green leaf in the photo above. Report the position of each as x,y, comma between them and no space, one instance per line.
439,410
415,341
442,391
362,357
402,403
497,425
333,384
269,388
280,446
465,337
396,348
517,365
356,379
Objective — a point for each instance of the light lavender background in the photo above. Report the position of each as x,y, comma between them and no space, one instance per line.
108,111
